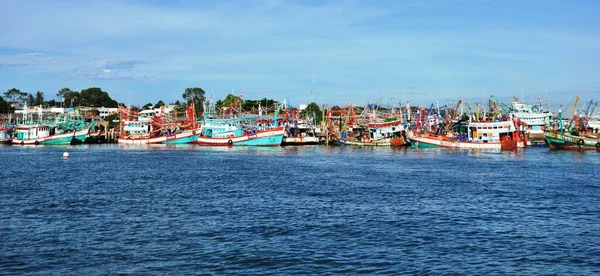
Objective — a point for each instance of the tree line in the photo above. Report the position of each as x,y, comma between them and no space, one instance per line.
93,97
96,97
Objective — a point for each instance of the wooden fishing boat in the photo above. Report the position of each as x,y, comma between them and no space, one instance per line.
233,128
143,130
59,130
299,133
497,135
575,135
567,141
391,133
240,131
47,135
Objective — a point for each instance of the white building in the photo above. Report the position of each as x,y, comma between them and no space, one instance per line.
157,111
104,112
40,110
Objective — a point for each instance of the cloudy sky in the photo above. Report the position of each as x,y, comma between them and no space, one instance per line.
359,51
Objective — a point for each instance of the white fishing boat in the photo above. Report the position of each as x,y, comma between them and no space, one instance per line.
474,135
535,118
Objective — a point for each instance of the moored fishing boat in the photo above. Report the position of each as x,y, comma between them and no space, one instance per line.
390,133
237,130
575,135
567,141
46,135
299,132
143,130
475,135
533,117
222,132
60,130
6,133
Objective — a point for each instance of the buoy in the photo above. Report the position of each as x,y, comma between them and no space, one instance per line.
66,154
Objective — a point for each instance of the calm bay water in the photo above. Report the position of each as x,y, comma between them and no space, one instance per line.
307,210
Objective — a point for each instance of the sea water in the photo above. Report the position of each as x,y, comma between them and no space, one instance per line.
297,210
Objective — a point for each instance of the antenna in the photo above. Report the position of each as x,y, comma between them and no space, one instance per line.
312,92
547,99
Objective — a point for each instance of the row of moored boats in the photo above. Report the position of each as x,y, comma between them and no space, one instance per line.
507,128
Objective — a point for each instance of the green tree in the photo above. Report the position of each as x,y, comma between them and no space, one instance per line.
313,111
195,95
68,97
4,106
95,97
159,104
51,103
39,98
230,99
30,99
147,106
14,95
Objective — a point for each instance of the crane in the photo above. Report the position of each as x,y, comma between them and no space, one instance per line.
497,105
572,112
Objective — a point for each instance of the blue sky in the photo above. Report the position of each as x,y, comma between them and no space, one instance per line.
360,51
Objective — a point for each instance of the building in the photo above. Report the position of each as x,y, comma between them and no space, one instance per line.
104,112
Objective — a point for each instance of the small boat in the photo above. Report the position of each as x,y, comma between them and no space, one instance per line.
576,134
6,133
37,134
138,129
299,132
567,141
496,135
391,133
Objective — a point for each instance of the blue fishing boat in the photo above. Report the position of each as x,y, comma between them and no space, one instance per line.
239,130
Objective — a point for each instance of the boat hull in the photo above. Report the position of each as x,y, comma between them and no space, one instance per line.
438,142
60,139
571,142
375,143
298,141
261,138
185,137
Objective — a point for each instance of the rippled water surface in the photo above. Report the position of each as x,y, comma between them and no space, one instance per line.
306,210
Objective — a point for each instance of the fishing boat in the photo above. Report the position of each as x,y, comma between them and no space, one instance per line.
139,129
239,132
60,130
234,129
300,134
390,133
569,141
505,135
298,131
532,117
575,135
37,134
6,133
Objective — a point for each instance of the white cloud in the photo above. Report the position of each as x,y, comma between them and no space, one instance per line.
21,59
